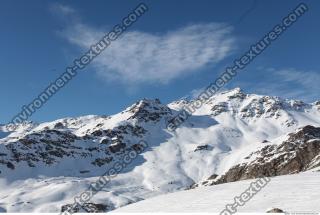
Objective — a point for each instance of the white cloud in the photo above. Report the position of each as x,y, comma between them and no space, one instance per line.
141,57
308,79
287,83
62,10
300,84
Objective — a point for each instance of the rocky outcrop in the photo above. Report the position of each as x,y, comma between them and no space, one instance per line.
300,152
275,210
149,110
86,208
49,146
205,147
253,107
219,108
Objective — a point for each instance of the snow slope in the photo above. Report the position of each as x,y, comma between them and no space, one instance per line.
291,193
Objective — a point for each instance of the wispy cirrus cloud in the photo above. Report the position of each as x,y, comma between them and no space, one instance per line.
298,83
62,9
285,82
142,57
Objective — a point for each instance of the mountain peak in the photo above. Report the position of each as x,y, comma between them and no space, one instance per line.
235,90
148,109
144,104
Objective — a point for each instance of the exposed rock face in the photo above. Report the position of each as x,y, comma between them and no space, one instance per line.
203,148
49,146
267,105
275,210
149,110
87,208
238,94
219,108
250,107
117,147
58,125
300,152
44,146
102,161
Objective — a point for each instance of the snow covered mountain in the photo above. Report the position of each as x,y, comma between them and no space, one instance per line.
233,136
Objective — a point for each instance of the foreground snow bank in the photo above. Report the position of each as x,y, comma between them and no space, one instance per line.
291,193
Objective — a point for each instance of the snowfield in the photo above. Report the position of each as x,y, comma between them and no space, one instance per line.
291,193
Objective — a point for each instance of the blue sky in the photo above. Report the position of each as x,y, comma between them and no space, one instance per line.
173,50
